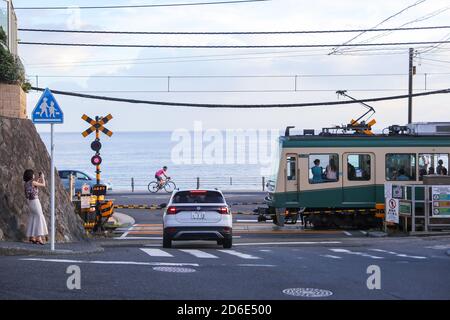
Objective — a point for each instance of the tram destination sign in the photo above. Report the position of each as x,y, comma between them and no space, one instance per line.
440,201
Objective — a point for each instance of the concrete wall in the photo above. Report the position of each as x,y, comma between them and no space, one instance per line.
13,101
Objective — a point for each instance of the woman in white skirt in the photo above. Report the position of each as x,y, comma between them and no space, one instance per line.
37,227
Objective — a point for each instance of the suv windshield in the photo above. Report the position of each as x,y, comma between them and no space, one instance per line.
198,196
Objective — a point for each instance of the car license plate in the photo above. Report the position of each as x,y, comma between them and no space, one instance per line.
198,215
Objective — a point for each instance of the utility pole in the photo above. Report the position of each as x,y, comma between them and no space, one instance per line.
410,83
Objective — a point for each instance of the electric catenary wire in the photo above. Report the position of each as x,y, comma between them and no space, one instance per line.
229,32
241,106
142,5
230,46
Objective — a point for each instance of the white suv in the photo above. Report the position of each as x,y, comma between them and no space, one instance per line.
197,215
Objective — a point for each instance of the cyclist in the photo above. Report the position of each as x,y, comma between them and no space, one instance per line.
161,175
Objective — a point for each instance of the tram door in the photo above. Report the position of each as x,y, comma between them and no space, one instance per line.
292,178
359,179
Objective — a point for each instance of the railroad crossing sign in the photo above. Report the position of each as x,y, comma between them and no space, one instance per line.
98,190
97,125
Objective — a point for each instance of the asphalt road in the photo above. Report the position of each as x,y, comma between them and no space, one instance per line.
253,269
261,265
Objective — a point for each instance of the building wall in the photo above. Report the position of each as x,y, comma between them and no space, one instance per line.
13,101
8,23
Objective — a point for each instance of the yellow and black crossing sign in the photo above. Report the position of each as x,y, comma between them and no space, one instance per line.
97,125
99,190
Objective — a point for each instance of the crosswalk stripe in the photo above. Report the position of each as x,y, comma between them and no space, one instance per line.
156,253
362,254
401,255
239,254
199,253
331,256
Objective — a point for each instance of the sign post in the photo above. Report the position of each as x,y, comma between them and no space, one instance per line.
48,111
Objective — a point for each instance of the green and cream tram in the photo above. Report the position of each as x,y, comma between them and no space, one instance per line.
338,179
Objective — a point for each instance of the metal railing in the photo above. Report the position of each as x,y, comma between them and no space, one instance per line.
225,183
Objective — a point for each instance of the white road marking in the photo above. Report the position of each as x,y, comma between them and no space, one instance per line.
331,256
265,250
126,233
363,232
347,233
401,255
199,253
286,242
112,262
139,238
239,254
256,265
156,253
356,253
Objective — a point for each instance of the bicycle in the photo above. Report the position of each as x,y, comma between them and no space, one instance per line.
168,186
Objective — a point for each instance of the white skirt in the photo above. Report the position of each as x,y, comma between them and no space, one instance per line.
37,227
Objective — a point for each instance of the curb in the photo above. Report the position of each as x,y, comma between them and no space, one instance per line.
20,251
429,233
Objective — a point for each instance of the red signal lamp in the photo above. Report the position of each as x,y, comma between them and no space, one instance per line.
96,160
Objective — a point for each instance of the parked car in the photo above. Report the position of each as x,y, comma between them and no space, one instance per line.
197,215
80,179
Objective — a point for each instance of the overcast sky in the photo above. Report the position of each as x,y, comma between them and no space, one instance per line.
56,65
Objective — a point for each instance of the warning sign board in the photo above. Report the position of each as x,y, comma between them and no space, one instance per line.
392,210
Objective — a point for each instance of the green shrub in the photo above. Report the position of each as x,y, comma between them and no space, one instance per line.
2,35
11,70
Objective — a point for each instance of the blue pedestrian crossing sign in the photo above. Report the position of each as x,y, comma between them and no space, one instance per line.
47,109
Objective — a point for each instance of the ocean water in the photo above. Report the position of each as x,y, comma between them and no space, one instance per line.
138,155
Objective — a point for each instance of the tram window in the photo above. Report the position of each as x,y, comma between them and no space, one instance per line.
400,167
358,167
290,168
323,168
433,163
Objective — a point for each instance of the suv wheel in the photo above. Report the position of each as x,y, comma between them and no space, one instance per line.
167,242
227,243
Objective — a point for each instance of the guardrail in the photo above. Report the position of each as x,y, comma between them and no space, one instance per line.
247,183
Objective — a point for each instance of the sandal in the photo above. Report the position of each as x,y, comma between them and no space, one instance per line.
33,241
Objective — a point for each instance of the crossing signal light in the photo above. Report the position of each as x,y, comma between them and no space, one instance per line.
96,160
96,146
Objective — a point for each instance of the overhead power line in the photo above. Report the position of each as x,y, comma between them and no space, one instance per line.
229,32
289,76
377,25
141,6
230,46
240,106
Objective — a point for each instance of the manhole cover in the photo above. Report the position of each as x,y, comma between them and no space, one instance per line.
307,292
174,269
